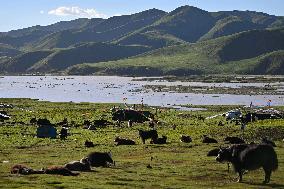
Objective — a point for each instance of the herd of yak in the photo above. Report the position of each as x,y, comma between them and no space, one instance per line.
242,156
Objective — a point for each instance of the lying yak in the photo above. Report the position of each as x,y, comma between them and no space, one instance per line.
162,140
82,165
207,139
250,157
234,140
123,141
185,138
152,134
24,170
59,170
98,159
89,144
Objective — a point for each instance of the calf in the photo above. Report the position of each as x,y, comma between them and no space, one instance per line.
123,141
250,157
152,134
185,138
234,140
162,140
98,159
82,165
207,139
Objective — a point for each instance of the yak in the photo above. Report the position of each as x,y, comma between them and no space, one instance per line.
123,141
98,159
133,115
82,165
234,140
250,157
59,170
207,139
152,134
185,138
162,140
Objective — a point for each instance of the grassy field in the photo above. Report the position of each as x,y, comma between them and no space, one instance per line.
174,165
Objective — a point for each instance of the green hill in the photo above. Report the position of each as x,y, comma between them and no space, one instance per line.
56,60
228,26
22,62
7,50
205,57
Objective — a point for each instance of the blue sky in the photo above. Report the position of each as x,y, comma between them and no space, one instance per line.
15,14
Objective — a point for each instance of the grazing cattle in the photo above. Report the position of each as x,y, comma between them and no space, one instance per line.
250,157
234,140
185,138
267,141
89,144
213,152
207,139
123,141
162,140
59,170
98,159
133,115
152,134
82,165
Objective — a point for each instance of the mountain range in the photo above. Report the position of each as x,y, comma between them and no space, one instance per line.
185,41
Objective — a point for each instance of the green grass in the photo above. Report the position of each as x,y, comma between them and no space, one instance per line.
175,165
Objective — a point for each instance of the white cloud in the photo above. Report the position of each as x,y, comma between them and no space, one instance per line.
41,12
76,11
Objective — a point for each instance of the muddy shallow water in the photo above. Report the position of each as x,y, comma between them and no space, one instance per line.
112,89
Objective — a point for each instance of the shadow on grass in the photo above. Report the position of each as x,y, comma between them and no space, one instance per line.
271,185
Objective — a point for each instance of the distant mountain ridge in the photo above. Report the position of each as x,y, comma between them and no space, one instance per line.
65,46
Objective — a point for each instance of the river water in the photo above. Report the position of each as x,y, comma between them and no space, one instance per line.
113,89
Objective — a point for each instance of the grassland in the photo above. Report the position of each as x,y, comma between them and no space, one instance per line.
174,165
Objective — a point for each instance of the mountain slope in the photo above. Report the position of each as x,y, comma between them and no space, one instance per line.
108,30
230,25
56,60
211,56
183,24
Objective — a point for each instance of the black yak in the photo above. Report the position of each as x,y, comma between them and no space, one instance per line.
98,159
213,152
250,157
82,165
185,138
133,115
123,141
89,144
234,140
152,134
162,140
207,139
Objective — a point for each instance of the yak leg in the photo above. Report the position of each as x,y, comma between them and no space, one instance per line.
267,175
240,176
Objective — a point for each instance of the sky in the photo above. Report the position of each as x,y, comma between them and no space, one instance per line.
16,14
